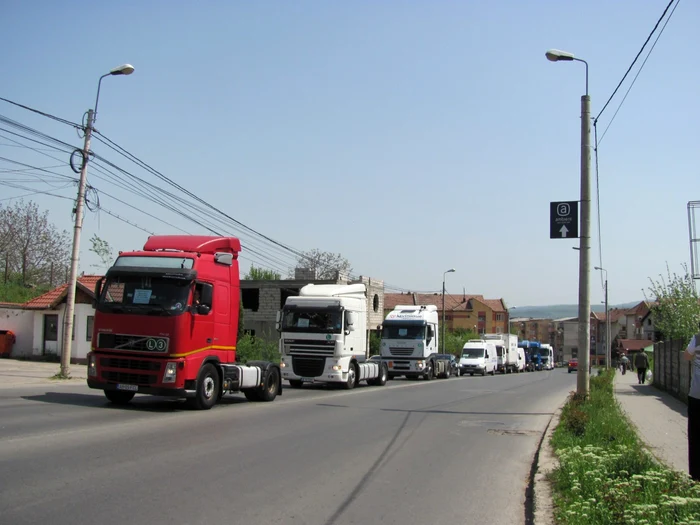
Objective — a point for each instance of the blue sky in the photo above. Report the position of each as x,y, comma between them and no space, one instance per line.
411,137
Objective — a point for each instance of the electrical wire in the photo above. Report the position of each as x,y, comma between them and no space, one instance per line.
635,59
597,198
595,120
55,174
639,71
43,114
52,143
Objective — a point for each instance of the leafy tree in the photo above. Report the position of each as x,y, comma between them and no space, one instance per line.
455,339
676,311
328,265
375,342
103,250
35,250
261,274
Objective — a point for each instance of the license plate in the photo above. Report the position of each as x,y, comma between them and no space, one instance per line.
307,379
130,388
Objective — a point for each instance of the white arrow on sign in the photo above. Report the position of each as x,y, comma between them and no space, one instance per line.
564,230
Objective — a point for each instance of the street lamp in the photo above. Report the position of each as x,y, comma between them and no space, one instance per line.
443,306
607,320
584,290
126,69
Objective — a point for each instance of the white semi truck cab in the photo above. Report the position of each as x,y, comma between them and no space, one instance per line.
324,339
410,343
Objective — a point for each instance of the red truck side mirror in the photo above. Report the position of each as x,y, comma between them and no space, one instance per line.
98,291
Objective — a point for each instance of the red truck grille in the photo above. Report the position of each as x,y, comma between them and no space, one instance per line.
127,377
131,364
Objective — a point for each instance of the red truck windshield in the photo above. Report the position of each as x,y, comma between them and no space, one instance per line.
144,294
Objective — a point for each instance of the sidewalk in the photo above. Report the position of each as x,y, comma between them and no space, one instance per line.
15,373
660,418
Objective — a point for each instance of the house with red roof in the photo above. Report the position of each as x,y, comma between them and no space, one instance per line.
38,323
462,311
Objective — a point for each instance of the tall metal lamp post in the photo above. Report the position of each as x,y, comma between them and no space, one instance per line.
584,290
443,306
126,69
607,320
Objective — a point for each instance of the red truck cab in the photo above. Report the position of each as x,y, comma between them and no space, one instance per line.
166,324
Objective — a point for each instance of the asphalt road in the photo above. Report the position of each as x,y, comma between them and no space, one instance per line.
413,452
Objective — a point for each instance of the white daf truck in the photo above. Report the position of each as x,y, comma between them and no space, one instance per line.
324,338
509,360
410,343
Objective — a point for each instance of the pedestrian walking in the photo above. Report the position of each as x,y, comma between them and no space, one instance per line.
624,363
692,354
641,362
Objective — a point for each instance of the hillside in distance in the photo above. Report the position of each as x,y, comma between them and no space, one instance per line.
559,311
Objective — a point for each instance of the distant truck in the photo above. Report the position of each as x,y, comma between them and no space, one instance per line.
166,324
478,357
410,343
324,338
532,355
507,350
547,353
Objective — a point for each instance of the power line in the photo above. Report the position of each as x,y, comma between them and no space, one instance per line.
39,169
639,71
138,161
42,113
116,216
635,58
267,258
597,197
595,121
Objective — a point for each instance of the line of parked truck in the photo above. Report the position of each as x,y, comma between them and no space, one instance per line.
167,316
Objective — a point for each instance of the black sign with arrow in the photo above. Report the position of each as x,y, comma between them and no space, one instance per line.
563,220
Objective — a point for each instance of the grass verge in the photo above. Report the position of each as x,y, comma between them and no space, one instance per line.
605,476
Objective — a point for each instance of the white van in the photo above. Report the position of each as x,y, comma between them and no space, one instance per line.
478,357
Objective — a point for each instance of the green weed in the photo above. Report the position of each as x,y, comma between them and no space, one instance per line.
605,476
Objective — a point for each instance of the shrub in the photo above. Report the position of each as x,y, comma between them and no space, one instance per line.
251,348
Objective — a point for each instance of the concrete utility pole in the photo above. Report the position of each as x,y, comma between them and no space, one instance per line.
443,306
584,289
66,349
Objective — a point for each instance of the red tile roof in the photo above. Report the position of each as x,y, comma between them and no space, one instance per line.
598,316
52,298
452,301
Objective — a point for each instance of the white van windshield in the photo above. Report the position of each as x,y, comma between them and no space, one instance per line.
473,353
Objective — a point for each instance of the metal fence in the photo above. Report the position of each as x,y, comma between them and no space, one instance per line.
671,372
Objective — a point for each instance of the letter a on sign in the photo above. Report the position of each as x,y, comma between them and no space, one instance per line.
563,220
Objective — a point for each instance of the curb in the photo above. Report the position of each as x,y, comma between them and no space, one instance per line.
545,462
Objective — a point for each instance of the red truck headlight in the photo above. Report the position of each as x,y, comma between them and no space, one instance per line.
170,375
92,365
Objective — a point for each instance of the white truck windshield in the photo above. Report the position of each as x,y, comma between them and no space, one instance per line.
405,331
310,320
